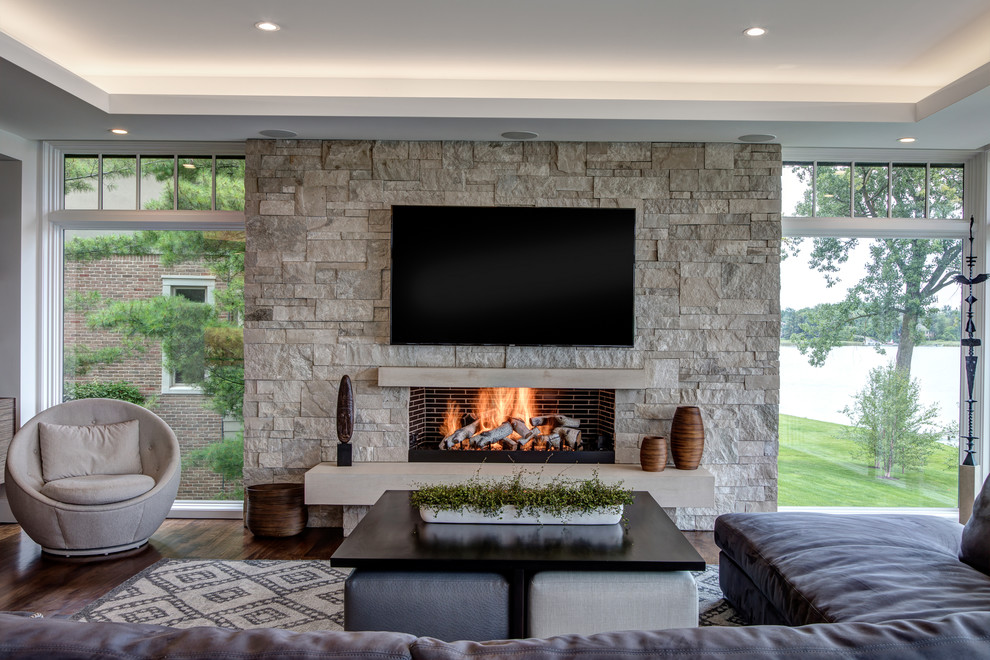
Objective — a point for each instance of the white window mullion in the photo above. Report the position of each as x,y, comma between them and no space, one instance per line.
137,182
852,189
814,188
890,189
99,181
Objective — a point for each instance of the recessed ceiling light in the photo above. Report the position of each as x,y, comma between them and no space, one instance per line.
267,26
757,137
755,31
277,133
119,131
520,135
906,139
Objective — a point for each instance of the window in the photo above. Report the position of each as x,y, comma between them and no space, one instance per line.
182,370
149,305
870,334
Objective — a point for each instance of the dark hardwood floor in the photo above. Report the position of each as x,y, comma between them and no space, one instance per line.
31,581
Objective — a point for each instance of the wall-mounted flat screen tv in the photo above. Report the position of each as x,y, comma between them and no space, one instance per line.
513,276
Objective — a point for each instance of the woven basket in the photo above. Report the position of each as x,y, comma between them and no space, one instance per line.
275,509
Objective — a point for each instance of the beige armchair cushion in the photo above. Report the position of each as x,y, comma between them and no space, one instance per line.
98,488
97,449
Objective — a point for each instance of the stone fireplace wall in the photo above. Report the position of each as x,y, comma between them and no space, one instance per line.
707,293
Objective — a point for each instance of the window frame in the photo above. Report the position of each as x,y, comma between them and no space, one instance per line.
975,178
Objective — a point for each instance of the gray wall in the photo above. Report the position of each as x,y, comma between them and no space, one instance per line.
707,296
10,276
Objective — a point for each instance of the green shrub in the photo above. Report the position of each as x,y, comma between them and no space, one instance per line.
121,390
559,497
224,457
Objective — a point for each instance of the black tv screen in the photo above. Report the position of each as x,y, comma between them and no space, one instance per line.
513,276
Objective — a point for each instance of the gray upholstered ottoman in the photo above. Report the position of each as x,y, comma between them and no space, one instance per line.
447,606
588,602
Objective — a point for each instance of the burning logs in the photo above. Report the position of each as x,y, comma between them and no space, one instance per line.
486,438
460,435
514,434
556,420
569,435
519,426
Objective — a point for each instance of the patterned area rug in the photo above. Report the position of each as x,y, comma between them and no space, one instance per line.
294,595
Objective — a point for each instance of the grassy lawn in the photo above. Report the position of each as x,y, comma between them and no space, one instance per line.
816,468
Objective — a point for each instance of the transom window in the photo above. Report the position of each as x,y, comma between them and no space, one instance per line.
854,189
153,182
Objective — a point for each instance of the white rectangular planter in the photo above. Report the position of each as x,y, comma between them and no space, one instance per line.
603,516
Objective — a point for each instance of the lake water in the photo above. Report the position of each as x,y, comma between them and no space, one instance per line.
822,392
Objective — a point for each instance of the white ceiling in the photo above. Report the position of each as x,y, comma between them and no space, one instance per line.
835,73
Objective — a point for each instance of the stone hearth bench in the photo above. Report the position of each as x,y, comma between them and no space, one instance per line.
359,486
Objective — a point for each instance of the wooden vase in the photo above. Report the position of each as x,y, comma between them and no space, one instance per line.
653,453
275,509
687,437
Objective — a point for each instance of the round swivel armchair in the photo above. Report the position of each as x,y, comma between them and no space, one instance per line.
91,513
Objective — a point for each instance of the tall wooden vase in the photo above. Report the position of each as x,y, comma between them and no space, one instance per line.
653,453
687,437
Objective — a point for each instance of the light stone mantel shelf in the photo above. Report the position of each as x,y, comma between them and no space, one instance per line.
363,483
616,379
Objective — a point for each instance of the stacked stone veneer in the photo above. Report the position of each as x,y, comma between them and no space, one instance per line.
707,287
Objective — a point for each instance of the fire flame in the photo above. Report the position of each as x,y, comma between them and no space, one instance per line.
493,406
451,418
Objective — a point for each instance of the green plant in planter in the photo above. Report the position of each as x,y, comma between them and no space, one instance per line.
559,497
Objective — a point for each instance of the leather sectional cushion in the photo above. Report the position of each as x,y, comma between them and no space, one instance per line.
823,568
975,546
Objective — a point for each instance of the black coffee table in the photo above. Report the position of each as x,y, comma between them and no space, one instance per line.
393,537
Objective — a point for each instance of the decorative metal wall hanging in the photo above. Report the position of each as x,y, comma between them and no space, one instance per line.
970,342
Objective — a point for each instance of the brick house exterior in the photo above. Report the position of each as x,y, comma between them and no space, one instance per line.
130,278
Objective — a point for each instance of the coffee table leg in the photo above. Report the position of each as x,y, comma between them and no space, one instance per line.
517,603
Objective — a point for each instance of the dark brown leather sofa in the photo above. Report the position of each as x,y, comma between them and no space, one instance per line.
955,637
852,587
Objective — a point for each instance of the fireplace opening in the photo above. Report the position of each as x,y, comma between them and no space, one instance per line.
501,424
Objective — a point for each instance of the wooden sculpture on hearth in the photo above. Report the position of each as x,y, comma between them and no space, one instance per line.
345,420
